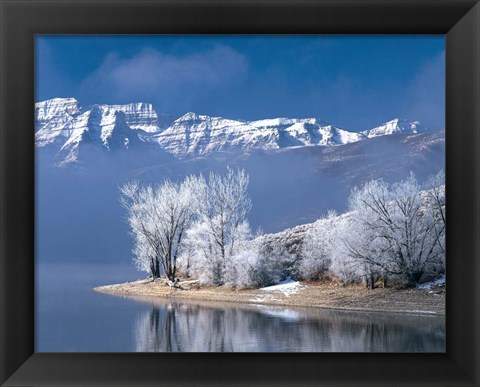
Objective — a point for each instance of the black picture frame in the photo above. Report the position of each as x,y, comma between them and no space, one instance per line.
22,19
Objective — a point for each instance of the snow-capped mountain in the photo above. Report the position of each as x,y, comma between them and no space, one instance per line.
57,111
101,126
395,126
52,117
64,126
198,135
142,116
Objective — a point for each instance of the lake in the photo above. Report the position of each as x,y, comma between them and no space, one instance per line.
70,317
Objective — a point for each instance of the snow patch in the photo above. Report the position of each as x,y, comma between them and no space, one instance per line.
287,287
440,281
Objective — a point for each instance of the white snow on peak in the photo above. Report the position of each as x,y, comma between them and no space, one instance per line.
286,122
140,115
101,125
395,126
196,135
107,122
190,116
53,117
53,106
62,122
274,122
58,109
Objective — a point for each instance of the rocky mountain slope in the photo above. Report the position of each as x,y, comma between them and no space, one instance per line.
196,135
64,127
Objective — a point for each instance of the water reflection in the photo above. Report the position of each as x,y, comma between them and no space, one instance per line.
185,327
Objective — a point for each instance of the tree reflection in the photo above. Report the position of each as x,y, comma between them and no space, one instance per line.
184,327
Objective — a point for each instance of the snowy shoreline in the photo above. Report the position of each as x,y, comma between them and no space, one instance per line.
295,294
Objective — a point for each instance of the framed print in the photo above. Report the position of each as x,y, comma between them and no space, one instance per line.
178,181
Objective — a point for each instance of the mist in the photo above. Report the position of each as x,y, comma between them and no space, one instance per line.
79,218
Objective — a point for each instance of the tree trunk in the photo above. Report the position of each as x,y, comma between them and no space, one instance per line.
187,271
152,268
413,278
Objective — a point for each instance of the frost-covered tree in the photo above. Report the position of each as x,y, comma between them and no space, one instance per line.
145,256
221,228
392,232
159,217
435,191
317,248
276,263
333,257
201,257
352,242
258,264
243,270
224,208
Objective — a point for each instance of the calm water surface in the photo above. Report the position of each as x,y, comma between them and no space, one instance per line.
71,317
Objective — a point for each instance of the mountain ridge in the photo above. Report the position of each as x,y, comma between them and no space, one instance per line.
65,126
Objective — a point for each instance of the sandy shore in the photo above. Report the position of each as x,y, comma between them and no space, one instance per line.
303,294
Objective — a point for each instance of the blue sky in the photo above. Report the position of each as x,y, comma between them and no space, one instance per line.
355,82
